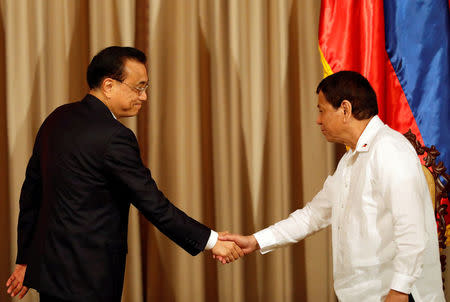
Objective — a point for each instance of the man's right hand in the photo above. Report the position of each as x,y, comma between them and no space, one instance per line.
395,296
248,244
226,251
15,282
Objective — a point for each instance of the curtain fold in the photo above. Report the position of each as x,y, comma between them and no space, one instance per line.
5,230
41,38
232,126
113,22
48,47
228,131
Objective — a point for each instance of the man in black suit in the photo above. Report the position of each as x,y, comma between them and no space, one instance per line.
84,172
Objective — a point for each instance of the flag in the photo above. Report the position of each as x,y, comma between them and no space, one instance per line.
402,48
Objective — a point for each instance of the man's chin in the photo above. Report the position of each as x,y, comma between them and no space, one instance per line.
332,140
130,113
329,139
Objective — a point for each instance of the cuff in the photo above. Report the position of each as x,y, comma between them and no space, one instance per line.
212,240
266,240
402,283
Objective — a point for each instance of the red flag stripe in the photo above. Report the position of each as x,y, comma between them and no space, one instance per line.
351,37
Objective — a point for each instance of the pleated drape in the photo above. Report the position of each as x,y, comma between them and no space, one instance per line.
233,142
47,47
228,131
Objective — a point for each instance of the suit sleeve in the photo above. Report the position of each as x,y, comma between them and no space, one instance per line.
30,203
123,163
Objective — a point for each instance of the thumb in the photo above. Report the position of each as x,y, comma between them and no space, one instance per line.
223,233
226,237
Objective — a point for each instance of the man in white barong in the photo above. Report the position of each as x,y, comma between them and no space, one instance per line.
384,234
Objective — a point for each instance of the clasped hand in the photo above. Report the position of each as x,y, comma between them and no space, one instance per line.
231,247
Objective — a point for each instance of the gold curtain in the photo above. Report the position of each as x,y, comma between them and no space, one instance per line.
5,236
45,48
229,130
233,141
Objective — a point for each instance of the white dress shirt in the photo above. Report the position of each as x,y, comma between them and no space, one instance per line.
383,226
213,236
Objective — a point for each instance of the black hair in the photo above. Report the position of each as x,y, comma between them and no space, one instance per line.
109,63
353,87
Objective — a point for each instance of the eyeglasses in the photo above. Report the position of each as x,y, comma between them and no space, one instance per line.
139,90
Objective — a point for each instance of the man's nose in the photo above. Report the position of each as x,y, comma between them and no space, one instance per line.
143,96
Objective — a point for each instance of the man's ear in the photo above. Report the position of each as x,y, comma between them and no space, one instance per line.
347,109
107,86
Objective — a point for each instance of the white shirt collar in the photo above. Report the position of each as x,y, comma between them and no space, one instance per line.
112,114
368,134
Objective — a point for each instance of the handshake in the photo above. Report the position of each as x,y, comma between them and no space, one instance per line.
230,247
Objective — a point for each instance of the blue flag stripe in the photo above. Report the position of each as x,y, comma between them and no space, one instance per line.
417,43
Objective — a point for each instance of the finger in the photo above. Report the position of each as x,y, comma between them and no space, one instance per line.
10,280
239,251
220,258
23,292
232,253
13,286
235,254
18,289
225,237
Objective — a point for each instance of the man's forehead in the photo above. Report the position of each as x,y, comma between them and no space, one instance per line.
134,65
321,100
133,68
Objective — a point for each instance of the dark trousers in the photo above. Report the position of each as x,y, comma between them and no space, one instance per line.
47,298
411,299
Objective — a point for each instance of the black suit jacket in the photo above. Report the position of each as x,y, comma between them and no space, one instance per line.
72,232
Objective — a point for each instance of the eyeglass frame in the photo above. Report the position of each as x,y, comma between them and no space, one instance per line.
139,90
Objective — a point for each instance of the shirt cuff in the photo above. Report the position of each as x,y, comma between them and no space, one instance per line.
266,240
213,237
402,283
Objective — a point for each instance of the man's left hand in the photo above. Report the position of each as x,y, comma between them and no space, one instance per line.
395,296
15,282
